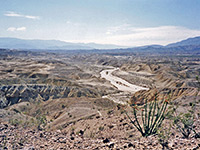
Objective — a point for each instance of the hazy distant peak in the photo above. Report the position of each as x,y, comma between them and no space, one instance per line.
15,43
190,41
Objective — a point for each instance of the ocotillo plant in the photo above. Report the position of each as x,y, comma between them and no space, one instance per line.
152,116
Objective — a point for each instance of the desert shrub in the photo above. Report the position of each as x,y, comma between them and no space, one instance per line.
110,112
164,134
152,116
41,122
15,122
185,121
101,128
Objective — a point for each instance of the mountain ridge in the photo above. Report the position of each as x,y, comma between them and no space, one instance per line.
26,44
189,41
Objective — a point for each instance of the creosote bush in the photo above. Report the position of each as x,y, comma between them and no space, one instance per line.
164,134
152,116
184,122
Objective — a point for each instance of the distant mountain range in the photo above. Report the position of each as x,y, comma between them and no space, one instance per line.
190,41
189,44
15,43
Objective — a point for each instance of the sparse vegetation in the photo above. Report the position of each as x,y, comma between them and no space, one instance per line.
184,122
152,116
164,134
41,122
15,122
101,128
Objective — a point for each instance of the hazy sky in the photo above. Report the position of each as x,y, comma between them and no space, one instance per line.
121,22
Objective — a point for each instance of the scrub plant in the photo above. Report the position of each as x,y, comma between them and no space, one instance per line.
152,116
185,121
164,134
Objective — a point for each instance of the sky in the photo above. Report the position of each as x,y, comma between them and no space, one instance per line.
119,22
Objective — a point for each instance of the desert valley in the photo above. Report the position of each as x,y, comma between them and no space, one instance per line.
84,99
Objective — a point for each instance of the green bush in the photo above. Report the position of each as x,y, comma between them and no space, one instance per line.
184,123
164,134
41,122
15,122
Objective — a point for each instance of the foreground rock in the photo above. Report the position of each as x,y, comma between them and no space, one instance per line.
111,131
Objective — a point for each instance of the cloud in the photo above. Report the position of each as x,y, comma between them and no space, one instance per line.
70,23
12,29
124,34
108,32
127,35
21,29
13,14
32,17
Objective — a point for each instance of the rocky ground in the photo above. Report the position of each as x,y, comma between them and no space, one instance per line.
108,131
59,101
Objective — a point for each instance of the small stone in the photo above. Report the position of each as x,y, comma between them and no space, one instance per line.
3,136
197,135
62,140
110,126
41,146
131,145
130,135
20,144
6,125
81,132
72,138
124,124
192,141
196,148
111,145
106,140
41,135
